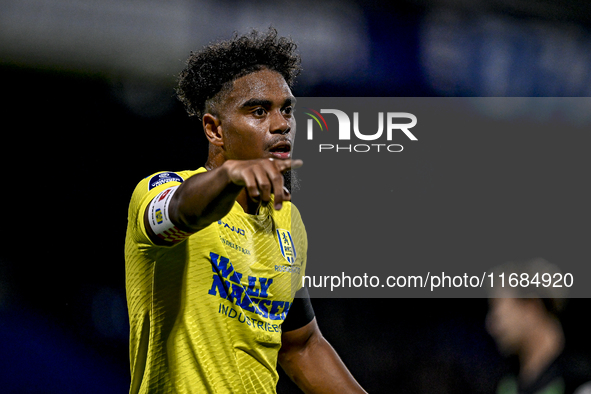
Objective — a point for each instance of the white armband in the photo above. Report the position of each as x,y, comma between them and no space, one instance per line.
160,220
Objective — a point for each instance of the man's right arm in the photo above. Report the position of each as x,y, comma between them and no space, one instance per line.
209,196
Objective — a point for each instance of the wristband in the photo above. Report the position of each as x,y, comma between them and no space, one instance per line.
160,221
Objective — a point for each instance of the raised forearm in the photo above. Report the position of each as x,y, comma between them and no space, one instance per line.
204,198
207,197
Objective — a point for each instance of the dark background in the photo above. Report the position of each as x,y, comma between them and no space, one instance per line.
89,110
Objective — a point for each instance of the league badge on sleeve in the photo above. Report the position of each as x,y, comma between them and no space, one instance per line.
286,244
162,178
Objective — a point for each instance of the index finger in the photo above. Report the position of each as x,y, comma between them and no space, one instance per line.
287,164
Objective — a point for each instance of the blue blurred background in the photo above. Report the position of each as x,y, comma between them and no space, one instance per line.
89,109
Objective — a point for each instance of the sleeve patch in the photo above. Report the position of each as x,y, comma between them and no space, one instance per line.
162,178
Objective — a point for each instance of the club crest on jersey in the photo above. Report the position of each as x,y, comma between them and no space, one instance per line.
286,245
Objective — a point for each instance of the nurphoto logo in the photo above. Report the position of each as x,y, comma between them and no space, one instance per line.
391,119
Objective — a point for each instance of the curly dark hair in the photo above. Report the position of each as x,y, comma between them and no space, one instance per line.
216,66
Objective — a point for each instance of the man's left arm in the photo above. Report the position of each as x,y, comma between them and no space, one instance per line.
312,363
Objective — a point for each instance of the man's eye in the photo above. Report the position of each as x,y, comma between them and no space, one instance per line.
288,110
259,111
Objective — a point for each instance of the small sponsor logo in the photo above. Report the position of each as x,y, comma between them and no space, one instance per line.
164,194
230,227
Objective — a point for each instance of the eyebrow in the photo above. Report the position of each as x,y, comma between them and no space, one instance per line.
254,102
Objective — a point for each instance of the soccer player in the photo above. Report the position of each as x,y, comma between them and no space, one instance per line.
215,256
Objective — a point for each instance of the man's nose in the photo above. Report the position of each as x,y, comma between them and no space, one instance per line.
279,123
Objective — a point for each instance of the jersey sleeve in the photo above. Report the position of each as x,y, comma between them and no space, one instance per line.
299,230
144,192
300,313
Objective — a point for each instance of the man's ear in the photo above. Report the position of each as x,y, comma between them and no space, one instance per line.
213,129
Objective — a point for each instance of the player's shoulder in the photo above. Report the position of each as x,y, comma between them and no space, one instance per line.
293,209
289,213
144,192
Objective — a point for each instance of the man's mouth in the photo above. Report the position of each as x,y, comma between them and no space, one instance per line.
282,150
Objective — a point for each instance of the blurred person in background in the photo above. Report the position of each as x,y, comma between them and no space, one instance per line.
524,321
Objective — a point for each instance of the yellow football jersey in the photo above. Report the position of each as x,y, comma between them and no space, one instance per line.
205,315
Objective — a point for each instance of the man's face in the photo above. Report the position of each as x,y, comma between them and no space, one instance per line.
508,322
257,117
